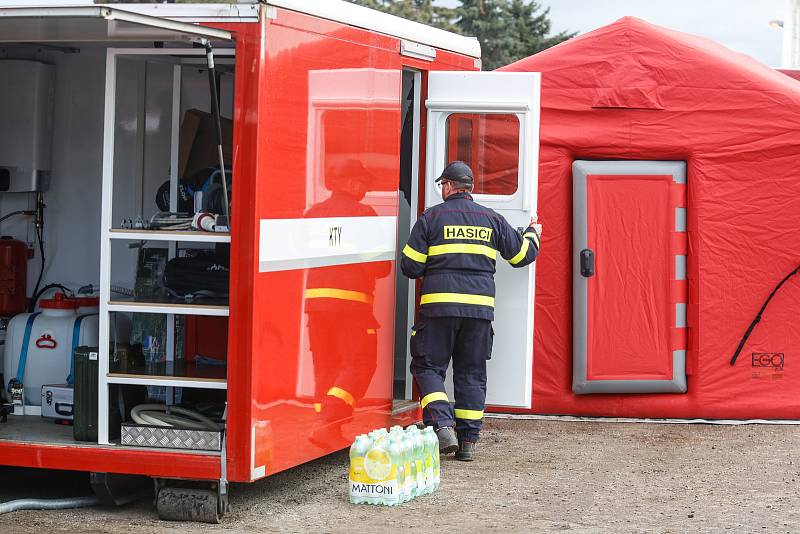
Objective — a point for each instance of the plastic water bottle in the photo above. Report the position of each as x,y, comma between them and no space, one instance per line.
410,465
419,459
396,435
398,470
432,465
358,477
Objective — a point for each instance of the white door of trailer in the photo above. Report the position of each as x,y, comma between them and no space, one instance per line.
490,120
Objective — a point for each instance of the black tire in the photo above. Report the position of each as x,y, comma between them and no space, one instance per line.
188,504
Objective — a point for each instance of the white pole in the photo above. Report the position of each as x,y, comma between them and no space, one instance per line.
791,36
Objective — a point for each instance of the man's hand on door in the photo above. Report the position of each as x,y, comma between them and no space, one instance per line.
535,224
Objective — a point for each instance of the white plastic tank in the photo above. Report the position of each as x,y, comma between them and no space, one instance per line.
49,346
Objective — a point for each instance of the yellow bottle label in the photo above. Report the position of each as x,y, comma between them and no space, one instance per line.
373,475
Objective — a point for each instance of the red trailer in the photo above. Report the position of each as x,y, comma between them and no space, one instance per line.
338,114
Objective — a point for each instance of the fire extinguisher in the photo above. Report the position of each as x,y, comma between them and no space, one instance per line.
13,276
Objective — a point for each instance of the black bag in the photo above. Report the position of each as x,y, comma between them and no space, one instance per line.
206,275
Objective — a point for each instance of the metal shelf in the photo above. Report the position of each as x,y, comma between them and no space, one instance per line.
167,235
168,381
177,308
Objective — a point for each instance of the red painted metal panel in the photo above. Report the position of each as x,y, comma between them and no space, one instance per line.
111,460
302,349
630,221
324,157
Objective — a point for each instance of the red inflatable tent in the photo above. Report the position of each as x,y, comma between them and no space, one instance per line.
638,92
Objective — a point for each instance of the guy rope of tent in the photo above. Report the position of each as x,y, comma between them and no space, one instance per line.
760,313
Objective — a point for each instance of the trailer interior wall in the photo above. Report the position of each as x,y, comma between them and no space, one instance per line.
144,111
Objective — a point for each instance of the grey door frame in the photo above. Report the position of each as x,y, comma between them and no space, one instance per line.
581,385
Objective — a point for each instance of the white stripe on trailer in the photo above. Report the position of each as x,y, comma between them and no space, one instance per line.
286,244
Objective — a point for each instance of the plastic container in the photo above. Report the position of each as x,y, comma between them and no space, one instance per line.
49,345
120,398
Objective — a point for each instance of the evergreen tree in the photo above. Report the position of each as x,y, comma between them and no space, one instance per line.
423,11
508,30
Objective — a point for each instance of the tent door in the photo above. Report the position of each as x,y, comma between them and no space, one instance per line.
629,277
48,24
491,121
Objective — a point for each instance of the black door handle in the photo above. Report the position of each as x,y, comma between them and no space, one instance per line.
587,262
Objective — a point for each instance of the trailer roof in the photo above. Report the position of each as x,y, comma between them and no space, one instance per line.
335,10
370,19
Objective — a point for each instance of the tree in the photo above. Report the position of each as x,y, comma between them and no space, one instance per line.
508,30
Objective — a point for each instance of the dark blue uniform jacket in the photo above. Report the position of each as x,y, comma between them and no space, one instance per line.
454,246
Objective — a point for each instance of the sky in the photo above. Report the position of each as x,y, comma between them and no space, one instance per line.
742,25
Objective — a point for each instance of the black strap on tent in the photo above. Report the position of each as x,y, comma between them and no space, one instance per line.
760,313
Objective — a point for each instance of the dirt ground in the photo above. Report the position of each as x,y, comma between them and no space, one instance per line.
530,476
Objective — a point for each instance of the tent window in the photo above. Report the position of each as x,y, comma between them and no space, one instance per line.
489,143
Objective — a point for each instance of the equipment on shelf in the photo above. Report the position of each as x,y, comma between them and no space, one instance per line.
5,411
39,346
204,275
120,399
58,402
209,222
172,416
171,427
202,191
165,220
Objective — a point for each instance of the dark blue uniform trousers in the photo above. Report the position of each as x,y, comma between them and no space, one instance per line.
469,341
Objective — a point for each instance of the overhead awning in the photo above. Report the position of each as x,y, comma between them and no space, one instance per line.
96,24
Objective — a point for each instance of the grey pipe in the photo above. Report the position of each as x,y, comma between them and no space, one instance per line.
48,504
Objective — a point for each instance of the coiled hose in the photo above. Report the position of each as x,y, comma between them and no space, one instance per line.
48,504
172,416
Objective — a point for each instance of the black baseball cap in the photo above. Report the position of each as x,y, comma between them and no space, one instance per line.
457,171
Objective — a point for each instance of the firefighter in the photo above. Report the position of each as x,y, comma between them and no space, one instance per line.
454,247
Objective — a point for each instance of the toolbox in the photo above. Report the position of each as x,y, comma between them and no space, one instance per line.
57,401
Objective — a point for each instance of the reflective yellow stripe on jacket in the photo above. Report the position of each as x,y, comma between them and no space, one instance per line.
523,251
462,248
456,298
414,255
341,294
533,236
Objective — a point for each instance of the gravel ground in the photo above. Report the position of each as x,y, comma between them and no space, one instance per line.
530,476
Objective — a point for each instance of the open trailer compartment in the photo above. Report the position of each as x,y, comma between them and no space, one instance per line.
110,124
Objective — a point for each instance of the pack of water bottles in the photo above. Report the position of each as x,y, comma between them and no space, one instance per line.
393,467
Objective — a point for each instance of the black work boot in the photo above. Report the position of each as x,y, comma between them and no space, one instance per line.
448,442
466,451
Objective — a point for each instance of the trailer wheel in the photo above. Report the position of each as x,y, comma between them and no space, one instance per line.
188,504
